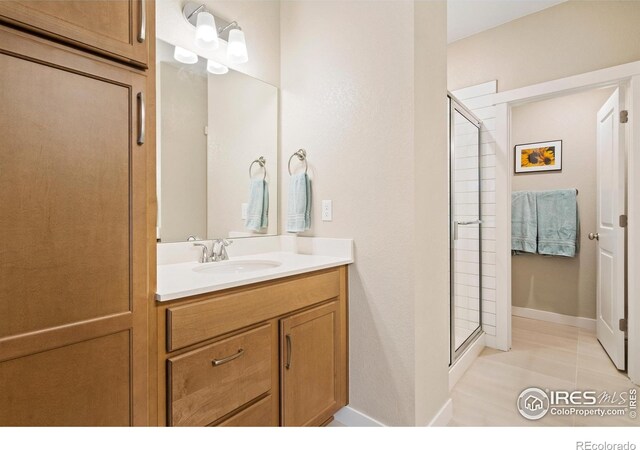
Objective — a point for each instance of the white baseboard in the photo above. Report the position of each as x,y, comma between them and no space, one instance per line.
580,322
354,418
444,416
464,362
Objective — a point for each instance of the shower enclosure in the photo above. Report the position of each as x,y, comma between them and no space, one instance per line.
465,231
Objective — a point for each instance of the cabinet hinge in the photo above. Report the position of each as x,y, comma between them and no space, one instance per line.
623,220
624,116
623,325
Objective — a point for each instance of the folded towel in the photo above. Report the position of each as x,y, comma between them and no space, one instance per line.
299,207
258,208
558,222
524,227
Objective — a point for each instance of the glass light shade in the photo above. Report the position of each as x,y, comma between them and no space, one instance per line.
206,31
216,68
237,48
185,56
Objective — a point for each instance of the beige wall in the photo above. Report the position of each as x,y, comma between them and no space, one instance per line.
183,163
349,98
243,125
557,284
431,206
259,19
571,38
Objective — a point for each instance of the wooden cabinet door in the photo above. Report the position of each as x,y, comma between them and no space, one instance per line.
73,268
116,28
310,347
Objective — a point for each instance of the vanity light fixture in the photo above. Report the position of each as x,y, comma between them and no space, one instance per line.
237,48
216,68
210,28
185,56
206,31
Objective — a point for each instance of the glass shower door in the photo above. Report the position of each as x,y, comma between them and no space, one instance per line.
465,230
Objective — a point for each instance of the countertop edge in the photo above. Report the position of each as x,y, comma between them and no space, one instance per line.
161,298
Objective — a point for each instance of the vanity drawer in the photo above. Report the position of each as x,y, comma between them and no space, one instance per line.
260,414
207,383
223,313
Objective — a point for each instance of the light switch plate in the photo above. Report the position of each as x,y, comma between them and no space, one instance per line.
244,207
327,210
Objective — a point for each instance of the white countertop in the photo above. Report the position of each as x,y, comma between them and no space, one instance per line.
180,280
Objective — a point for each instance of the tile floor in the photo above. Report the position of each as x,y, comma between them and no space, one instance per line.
544,355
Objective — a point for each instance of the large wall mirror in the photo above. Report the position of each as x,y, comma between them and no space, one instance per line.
211,128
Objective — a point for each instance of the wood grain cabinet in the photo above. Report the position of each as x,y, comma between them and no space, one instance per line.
309,365
269,354
114,28
73,236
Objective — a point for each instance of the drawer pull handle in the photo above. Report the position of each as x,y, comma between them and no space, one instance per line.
219,362
288,364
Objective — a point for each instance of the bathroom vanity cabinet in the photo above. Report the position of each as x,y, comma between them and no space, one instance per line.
116,29
75,208
267,354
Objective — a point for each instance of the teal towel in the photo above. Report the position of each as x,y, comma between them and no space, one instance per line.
299,207
524,226
558,222
258,207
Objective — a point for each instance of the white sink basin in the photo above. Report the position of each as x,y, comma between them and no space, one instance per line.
236,267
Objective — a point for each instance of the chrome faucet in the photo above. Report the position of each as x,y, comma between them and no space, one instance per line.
221,253
205,257
218,251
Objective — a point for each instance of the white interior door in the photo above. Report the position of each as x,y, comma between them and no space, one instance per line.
610,235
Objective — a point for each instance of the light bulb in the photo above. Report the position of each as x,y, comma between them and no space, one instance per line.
185,56
237,48
216,68
206,31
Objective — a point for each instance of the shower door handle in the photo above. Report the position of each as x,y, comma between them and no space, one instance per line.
464,222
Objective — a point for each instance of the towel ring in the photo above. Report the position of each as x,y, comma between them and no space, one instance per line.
302,156
261,162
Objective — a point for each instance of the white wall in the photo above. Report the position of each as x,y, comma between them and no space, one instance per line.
259,19
567,39
352,99
557,284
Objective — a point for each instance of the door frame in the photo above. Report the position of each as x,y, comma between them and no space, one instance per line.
627,76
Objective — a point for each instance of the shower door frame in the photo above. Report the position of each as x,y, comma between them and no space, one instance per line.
456,106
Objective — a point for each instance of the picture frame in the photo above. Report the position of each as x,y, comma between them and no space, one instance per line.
538,157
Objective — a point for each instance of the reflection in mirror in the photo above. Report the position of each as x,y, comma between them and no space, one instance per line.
211,128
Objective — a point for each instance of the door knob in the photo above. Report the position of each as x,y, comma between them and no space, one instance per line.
593,236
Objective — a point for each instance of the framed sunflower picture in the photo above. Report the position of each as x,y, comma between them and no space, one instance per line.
538,157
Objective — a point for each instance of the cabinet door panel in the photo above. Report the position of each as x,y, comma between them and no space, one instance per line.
64,191
84,384
112,27
310,349
73,235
